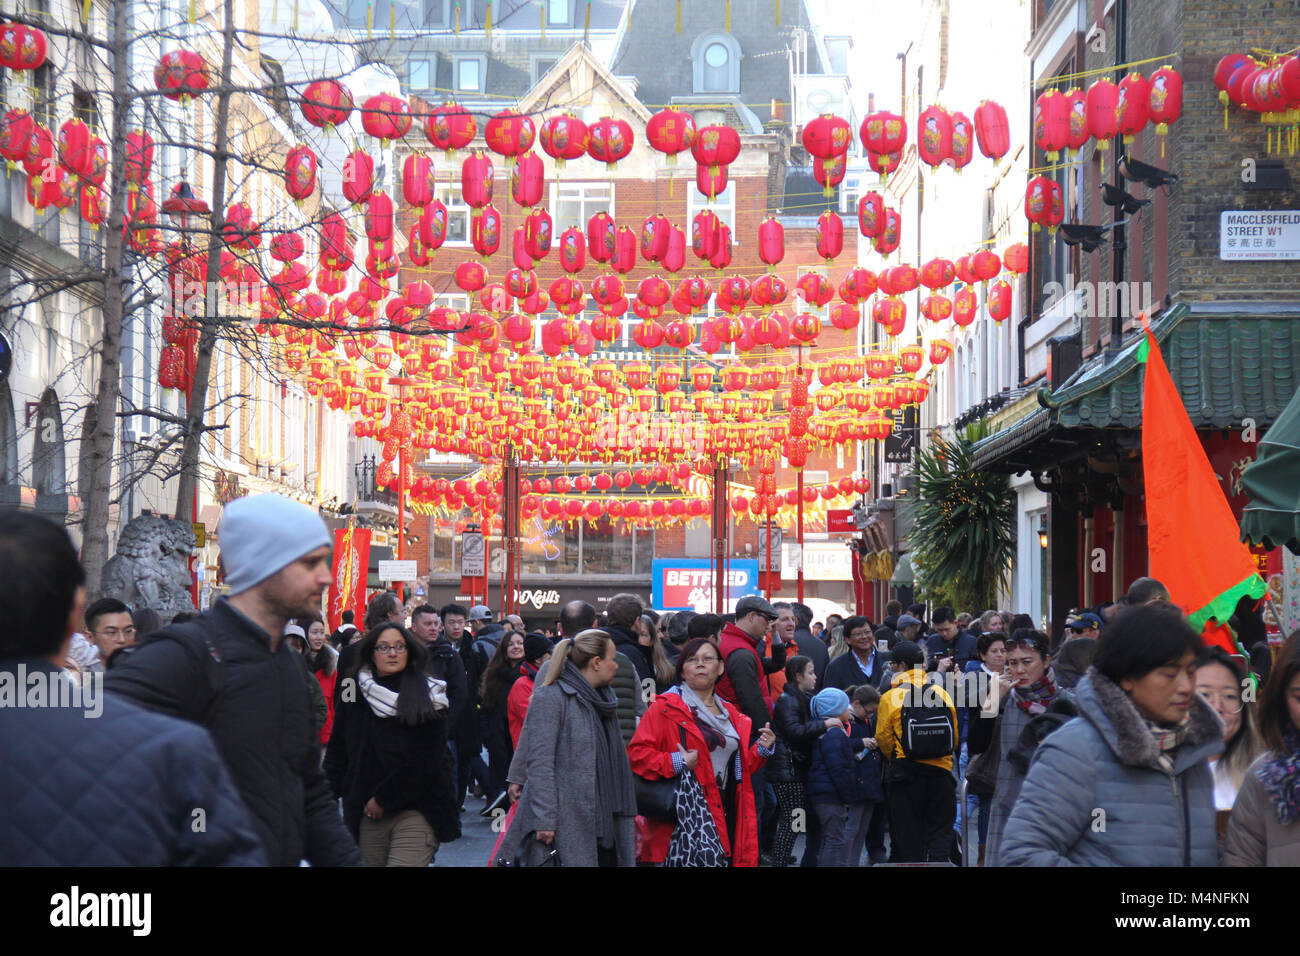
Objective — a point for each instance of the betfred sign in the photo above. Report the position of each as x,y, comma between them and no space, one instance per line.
840,521
686,584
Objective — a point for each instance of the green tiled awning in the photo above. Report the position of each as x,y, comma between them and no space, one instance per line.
1273,482
1228,364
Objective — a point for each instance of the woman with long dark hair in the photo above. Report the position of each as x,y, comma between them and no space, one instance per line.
1221,680
1264,829
570,776
386,755
498,677
323,661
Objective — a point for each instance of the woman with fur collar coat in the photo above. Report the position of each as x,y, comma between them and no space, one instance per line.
1126,783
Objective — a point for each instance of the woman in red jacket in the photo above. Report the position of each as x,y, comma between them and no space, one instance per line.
718,750
537,651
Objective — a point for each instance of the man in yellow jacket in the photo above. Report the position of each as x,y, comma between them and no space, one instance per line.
920,788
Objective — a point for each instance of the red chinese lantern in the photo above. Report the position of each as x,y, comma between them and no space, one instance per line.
1077,102
326,104
92,206
1101,102
655,233
805,327
625,250
892,234
858,285
884,163
830,235
470,276
1016,258
1038,199
74,147
936,307
573,250
899,280
845,316
181,75
486,231
563,137
527,180
509,133
568,295
418,179
940,350
721,257
671,132
992,131
287,246
602,237
1051,123
705,229
984,265
1165,98
883,132
937,273
963,142
537,234
1131,110
710,181
450,127
814,288
829,173
300,172
386,117
871,214
358,176
139,157
827,136
40,150
716,146
16,130
476,179
934,136
964,306
380,217
609,140
769,290
22,47
771,241
675,256
998,300
432,225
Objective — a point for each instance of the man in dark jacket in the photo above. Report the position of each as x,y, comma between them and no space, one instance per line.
949,642
77,762
468,745
863,664
792,624
578,616
446,665
230,670
622,615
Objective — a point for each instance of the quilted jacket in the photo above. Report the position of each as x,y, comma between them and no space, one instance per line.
119,789
219,670
1096,796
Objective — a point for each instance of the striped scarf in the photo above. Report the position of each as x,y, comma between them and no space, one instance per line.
1033,700
1281,779
1167,740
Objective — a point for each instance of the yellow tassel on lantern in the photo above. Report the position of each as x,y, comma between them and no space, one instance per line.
727,22
541,10
778,12
456,22
85,12
586,22
679,16
370,21
193,11
392,22
295,16
487,21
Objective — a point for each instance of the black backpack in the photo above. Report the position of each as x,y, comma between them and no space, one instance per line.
926,730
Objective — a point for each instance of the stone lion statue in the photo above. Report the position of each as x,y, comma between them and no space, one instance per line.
150,568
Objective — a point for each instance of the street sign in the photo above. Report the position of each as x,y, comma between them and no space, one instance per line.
1259,234
763,549
398,571
794,557
200,533
904,438
472,555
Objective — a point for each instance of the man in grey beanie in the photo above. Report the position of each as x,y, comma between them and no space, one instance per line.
230,670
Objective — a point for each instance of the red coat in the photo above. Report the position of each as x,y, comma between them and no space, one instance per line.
733,639
650,753
521,695
327,682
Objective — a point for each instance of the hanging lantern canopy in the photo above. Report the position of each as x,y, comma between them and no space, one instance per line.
934,136
992,131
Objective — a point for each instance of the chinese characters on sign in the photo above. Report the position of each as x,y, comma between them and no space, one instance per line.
1259,234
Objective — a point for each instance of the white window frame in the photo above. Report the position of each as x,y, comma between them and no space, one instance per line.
582,193
457,60
734,54
564,20
537,58
456,206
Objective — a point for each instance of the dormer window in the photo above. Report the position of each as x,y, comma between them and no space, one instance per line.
716,63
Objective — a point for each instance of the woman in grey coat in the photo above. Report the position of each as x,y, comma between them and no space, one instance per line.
1030,687
1126,783
570,774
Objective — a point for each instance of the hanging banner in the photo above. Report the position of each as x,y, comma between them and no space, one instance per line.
348,582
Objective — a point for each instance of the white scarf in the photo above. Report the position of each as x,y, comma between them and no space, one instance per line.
384,701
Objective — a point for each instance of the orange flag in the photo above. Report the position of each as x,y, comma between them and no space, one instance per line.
1193,544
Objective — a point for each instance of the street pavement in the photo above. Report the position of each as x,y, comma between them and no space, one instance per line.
478,837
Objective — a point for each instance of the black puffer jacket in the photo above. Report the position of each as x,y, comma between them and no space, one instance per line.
402,767
796,732
218,670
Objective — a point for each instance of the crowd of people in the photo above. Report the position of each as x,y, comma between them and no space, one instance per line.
626,737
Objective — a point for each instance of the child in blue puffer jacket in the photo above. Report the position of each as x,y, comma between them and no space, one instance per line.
835,789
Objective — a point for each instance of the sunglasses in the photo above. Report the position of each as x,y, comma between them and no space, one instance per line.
1022,642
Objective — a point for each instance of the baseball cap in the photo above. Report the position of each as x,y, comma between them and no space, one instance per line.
906,620
909,653
753,602
1085,620
480,612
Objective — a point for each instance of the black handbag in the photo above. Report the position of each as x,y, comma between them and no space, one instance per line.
656,799
533,853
